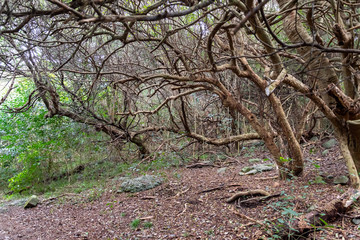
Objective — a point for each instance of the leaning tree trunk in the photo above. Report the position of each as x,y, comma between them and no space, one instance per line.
140,143
296,165
324,76
354,140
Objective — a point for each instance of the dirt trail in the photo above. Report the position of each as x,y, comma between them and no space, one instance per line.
191,204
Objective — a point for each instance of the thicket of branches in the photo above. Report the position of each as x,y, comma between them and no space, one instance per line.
134,69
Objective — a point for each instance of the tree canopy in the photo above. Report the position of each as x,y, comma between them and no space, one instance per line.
136,68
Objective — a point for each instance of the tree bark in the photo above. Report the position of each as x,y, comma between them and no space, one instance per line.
354,141
326,80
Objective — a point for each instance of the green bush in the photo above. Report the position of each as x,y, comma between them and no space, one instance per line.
33,148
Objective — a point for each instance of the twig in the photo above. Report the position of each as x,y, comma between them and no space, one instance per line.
183,211
267,178
246,217
181,193
148,198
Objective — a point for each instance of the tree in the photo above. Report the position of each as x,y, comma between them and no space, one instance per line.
125,66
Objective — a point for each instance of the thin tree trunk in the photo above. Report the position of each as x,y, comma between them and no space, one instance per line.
354,141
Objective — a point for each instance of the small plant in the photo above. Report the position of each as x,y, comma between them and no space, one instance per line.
147,224
111,204
135,223
186,234
209,232
123,214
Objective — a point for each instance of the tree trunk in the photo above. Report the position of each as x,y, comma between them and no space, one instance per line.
143,149
354,141
326,80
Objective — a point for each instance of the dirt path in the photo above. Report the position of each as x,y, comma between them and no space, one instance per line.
180,209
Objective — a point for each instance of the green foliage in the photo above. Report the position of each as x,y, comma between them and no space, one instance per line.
135,223
277,229
34,148
147,224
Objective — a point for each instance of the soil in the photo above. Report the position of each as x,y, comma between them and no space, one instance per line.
191,204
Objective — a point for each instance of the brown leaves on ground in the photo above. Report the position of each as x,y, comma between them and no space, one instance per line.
191,204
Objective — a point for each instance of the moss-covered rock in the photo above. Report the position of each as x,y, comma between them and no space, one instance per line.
256,169
330,143
33,201
141,183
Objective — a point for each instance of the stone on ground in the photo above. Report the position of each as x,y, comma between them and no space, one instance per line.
356,221
325,152
32,202
141,183
222,170
256,169
330,143
341,180
254,160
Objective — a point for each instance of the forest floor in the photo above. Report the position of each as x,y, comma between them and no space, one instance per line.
191,204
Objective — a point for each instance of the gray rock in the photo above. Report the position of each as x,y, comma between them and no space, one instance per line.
120,179
141,183
255,160
314,139
325,152
33,201
246,169
312,208
17,202
341,180
222,170
3,209
356,221
256,169
329,144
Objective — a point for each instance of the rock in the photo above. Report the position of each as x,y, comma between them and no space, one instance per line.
325,152
141,183
356,221
329,144
256,169
312,208
252,172
222,170
341,180
314,139
264,167
255,160
120,179
17,202
32,202
246,169
3,210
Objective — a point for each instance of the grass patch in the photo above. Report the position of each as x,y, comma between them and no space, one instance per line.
135,223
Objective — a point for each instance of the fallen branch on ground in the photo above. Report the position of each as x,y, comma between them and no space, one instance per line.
246,217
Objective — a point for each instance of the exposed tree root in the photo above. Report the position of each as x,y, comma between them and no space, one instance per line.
247,193
258,199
